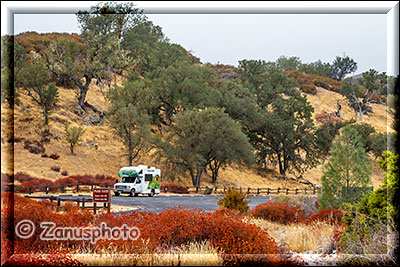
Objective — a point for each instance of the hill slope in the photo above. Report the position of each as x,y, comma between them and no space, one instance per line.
102,153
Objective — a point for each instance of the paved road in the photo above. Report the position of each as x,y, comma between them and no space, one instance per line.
161,202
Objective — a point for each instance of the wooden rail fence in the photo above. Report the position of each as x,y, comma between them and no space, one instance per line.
216,190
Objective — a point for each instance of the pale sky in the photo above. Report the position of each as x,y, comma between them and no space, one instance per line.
228,38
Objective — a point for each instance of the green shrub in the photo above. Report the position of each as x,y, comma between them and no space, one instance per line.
370,236
73,136
234,199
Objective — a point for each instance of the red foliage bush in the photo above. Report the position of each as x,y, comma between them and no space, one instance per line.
54,156
331,216
19,139
65,181
23,177
37,183
43,260
34,147
320,81
308,88
174,188
277,212
237,241
325,117
89,179
55,168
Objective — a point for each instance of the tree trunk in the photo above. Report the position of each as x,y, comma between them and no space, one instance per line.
71,147
83,88
281,170
193,177
198,176
361,115
130,152
82,96
214,170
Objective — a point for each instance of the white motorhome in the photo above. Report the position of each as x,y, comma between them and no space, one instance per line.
137,180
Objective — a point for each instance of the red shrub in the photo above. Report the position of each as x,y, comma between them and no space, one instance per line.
277,212
237,241
65,181
36,183
87,179
19,139
332,216
55,168
174,188
43,260
44,211
325,117
34,147
22,177
308,88
54,156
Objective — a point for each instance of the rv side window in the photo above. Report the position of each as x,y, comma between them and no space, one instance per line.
148,177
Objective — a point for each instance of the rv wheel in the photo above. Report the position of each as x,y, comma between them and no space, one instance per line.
133,194
116,193
151,193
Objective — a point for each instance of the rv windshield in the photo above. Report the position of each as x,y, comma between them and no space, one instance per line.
128,179
129,173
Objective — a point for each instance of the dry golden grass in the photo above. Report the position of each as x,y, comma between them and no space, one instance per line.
110,155
192,254
326,100
299,237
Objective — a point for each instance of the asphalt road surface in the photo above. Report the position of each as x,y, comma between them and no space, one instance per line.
159,203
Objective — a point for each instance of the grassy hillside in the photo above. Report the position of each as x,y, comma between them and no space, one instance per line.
102,153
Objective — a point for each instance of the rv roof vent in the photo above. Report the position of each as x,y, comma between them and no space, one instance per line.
152,168
143,166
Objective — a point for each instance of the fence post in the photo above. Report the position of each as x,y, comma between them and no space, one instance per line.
268,191
58,202
94,207
224,189
77,187
47,189
248,190
258,191
30,189
62,189
287,191
197,189
279,190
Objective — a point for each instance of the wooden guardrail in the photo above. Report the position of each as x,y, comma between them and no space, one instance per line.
79,200
79,187
194,190
257,191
